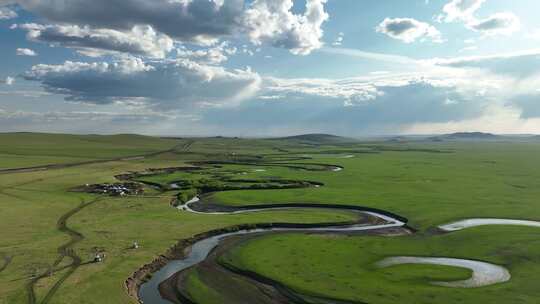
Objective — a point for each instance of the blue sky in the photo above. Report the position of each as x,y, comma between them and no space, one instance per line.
270,67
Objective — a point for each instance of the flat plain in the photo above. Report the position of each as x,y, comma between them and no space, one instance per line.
51,232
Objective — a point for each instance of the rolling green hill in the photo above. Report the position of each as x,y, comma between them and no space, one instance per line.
37,149
318,139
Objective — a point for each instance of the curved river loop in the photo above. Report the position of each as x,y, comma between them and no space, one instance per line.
372,220
149,292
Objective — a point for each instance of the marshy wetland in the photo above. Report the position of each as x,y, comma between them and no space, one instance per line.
275,221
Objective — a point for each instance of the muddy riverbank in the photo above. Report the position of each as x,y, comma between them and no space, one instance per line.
182,249
195,250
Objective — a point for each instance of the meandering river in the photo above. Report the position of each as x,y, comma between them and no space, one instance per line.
149,292
483,273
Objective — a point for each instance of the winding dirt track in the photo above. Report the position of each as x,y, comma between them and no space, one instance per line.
389,221
386,220
66,250
7,261
183,146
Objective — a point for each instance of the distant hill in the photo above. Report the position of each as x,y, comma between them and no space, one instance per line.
25,149
398,139
317,138
466,136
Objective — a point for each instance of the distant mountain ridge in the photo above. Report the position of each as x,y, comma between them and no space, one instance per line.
466,136
472,135
317,138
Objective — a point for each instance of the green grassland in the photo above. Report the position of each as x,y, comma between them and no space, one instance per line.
35,149
429,183
344,267
31,204
478,180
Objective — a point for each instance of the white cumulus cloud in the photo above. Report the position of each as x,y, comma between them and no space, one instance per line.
408,30
500,23
25,52
465,11
273,21
186,20
140,40
205,22
460,10
7,13
211,55
168,84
